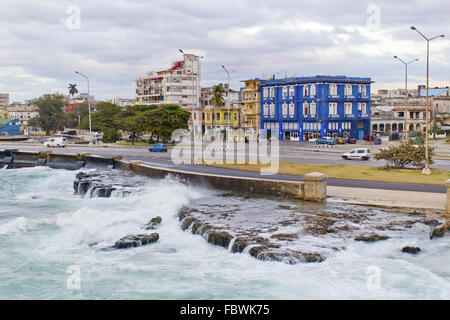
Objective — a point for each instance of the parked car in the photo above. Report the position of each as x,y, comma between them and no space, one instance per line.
56,142
351,141
341,140
377,141
313,140
359,153
160,147
326,140
371,138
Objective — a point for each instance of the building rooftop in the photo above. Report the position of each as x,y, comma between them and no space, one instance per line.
317,78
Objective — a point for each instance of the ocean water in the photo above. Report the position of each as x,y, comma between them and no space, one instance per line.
51,248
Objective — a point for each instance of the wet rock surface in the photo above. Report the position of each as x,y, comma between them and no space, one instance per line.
107,183
295,232
136,240
412,250
153,224
441,230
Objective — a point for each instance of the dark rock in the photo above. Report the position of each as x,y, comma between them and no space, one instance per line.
186,222
136,240
154,223
222,239
285,236
371,238
412,250
239,245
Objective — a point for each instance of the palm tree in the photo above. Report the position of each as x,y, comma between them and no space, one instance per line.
217,100
73,89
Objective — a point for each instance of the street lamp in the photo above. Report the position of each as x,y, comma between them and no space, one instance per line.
427,169
89,104
406,93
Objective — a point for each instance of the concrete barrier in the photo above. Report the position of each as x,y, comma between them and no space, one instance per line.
289,189
315,186
27,159
65,161
447,204
6,155
97,162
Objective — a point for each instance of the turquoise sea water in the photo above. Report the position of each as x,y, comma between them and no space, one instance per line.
48,235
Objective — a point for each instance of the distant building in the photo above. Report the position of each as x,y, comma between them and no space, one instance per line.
9,127
251,112
22,112
124,102
179,85
4,99
302,108
389,120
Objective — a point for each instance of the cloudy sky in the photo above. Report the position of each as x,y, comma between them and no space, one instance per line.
113,42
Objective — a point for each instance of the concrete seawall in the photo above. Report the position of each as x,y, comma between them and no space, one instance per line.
315,183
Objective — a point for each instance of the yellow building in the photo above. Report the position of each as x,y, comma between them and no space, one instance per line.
218,118
251,109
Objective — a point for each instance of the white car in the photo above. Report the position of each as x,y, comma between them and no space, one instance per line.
359,153
56,142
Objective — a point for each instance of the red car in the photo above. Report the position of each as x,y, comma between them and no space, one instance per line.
371,138
351,141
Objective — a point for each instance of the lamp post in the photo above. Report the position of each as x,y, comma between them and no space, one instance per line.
427,169
406,93
89,104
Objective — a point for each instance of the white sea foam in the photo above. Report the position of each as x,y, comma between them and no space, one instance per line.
71,230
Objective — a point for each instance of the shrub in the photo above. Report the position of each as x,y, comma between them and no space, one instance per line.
405,155
110,135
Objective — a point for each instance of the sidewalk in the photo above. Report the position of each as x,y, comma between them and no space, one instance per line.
434,202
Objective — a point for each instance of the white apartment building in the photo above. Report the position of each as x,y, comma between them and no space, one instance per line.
179,85
24,112
124,102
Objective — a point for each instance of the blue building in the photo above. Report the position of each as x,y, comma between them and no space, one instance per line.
303,108
9,127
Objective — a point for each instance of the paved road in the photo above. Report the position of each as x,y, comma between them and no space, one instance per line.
163,160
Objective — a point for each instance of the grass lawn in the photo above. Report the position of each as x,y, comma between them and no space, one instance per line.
345,171
136,143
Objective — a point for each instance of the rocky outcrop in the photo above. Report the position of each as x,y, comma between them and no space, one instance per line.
441,230
136,240
153,224
371,238
412,250
102,184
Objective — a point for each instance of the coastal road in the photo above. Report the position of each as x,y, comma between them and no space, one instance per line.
163,160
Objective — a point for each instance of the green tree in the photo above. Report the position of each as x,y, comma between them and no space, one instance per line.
166,118
217,99
51,114
405,155
105,117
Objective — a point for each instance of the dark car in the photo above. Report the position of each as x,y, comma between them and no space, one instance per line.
160,147
351,141
371,138
69,133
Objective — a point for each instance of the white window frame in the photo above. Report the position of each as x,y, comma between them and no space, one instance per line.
333,89
272,110
332,108
312,108
348,108
292,109
305,106
364,108
266,109
305,91
291,92
285,92
284,109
